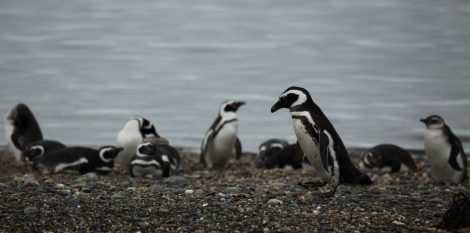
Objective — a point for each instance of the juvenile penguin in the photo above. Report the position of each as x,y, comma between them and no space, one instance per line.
156,160
134,132
387,158
277,153
81,159
21,129
36,150
221,138
444,152
319,140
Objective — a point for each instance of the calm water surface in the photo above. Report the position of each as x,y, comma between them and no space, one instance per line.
374,66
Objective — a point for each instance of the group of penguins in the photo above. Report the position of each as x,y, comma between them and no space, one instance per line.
141,151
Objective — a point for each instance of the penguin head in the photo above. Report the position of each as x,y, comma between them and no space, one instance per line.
265,152
292,97
19,115
147,129
109,153
433,122
145,149
230,106
33,153
370,159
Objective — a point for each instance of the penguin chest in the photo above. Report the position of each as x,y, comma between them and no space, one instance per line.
310,148
128,140
438,152
223,144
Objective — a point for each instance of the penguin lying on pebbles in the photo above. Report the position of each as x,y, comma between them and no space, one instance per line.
134,132
444,151
319,140
21,129
387,158
36,150
277,153
155,160
81,159
221,138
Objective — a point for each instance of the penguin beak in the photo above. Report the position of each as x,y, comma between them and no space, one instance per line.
119,149
423,120
278,105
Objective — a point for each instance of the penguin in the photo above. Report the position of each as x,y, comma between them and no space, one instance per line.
387,158
81,159
36,150
21,129
277,153
156,160
134,132
444,151
221,138
319,140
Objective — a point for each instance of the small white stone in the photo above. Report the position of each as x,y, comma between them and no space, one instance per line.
398,223
189,192
60,186
315,212
275,201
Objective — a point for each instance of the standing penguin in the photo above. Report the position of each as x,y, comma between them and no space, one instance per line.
134,132
81,159
156,160
319,140
21,129
444,151
36,150
221,138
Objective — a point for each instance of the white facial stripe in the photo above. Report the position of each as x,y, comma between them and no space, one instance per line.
38,147
302,97
145,163
308,116
263,148
278,145
63,166
102,155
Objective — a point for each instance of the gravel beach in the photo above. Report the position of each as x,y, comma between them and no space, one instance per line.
244,199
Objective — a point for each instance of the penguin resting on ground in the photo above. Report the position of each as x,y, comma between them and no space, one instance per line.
277,153
221,138
81,159
444,152
134,132
21,129
387,158
36,150
319,140
156,160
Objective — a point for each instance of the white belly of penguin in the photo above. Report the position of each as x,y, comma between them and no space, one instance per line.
9,128
310,149
438,152
223,144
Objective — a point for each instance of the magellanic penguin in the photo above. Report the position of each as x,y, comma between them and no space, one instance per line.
21,129
277,153
155,160
221,138
319,140
134,132
36,150
387,158
444,152
81,159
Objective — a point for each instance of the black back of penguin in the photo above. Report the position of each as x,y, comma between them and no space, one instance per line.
389,155
81,159
168,156
36,150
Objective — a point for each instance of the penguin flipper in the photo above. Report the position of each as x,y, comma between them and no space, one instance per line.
205,145
238,149
454,152
323,142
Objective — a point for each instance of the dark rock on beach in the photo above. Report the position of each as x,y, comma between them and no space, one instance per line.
243,199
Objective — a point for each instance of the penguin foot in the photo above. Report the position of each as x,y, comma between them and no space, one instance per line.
312,184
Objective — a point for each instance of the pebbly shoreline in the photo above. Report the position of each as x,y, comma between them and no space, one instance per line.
245,199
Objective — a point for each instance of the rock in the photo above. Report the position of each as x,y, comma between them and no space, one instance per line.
30,211
189,192
4,185
199,231
60,186
231,189
118,195
199,192
398,223
155,188
29,180
175,180
275,201
163,210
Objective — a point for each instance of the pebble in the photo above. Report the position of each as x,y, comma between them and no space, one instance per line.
398,223
118,195
231,189
175,180
155,188
189,192
199,192
29,180
275,201
163,210
30,211
60,186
